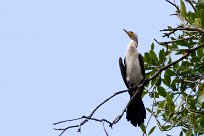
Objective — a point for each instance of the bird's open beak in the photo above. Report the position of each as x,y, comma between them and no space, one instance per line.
126,32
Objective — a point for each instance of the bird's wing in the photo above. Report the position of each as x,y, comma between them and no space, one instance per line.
123,70
142,65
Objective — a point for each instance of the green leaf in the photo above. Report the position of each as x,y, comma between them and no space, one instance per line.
158,83
162,56
191,17
161,104
149,110
202,17
200,96
170,72
143,128
152,46
182,8
147,58
152,130
200,4
166,127
167,79
173,84
176,66
158,124
170,60
154,95
161,91
197,22
192,104
181,133
153,57
202,122
200,52
189,132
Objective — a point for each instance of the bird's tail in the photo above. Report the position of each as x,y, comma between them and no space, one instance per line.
136,112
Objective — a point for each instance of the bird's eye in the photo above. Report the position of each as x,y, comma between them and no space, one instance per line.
131,33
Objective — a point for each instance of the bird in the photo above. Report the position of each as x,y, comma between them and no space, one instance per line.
133,74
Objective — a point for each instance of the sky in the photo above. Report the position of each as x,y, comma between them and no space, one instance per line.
59,60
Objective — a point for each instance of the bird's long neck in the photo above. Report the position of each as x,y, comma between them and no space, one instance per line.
132,42
132,46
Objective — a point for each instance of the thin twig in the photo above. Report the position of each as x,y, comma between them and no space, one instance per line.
174,5
193,82
170,32
154,101
173,41
189,1
88,117
105,129
67,120
185,29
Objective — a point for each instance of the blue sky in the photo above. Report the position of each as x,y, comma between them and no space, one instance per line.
59,59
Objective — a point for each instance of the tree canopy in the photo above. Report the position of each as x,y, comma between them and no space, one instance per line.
178,90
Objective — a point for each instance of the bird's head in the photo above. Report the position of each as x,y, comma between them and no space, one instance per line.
132,35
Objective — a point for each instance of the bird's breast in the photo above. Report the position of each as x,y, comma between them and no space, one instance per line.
133,69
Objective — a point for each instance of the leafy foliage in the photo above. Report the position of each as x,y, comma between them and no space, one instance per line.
178,92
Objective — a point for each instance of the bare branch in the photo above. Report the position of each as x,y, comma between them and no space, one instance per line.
193,82
184,29
168,42
87,117
198,112
170,32
67,121
181,27
189,1
105,129
79,126
177,8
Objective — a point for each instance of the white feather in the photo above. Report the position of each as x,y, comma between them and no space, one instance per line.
133,70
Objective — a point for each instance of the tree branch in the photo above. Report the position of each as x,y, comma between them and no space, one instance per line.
174,5
189,1
184,28
87,117
172,41
193,82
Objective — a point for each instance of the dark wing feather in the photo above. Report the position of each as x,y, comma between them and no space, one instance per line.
123,70
142,65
